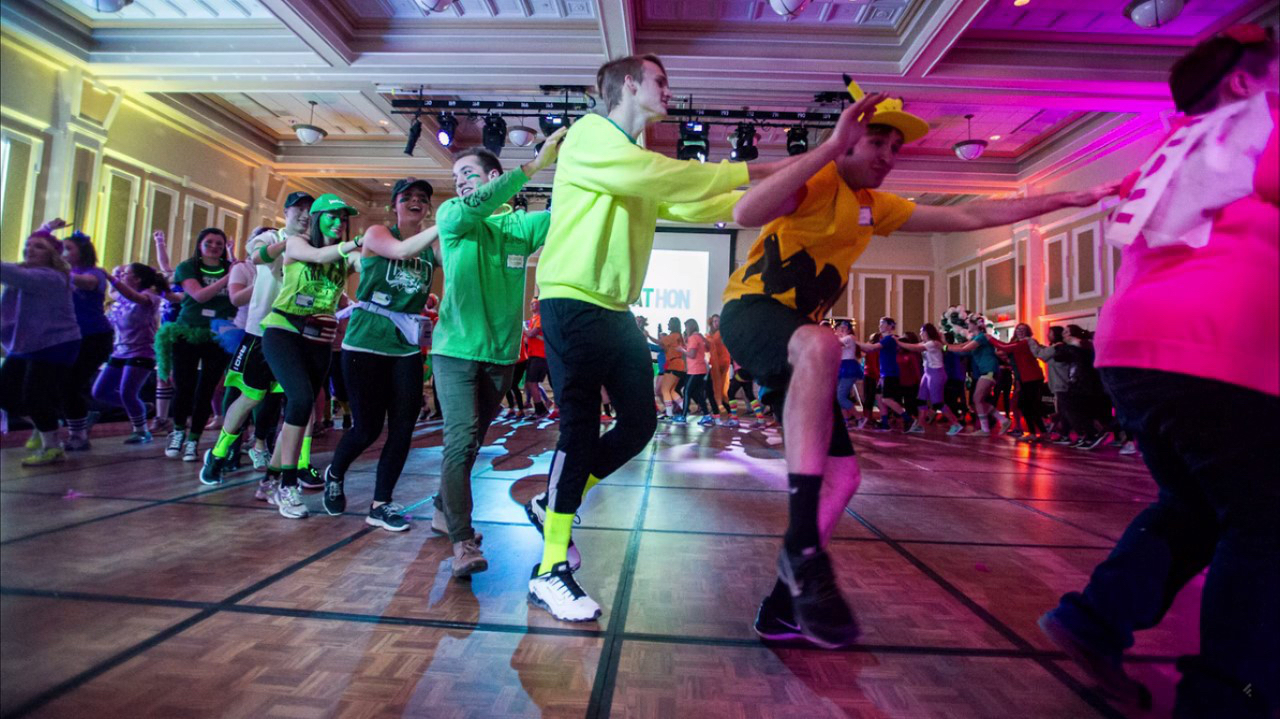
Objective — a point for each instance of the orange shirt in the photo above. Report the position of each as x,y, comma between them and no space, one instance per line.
719,353
536,346
671,347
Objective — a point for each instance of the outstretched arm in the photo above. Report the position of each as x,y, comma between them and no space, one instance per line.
993,213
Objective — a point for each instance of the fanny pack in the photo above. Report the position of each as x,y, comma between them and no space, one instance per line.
322,329
415,328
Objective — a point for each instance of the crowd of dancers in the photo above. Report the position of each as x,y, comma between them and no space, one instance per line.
271,328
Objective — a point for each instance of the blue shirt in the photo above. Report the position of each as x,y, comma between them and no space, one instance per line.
90,305
984,356
889,357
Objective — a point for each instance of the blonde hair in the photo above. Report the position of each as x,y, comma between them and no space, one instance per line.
56,260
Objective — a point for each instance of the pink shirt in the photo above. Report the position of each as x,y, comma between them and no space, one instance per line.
695,353
1189,310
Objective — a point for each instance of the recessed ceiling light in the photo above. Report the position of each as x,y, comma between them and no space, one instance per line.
383,122
911,199
1020,3
386,184
994,137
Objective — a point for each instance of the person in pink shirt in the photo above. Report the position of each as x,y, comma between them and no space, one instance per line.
697,388
1200,232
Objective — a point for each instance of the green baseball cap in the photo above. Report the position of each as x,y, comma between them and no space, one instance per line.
329,202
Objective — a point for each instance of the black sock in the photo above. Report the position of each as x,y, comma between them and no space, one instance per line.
802,530
608,409
289,477
540,408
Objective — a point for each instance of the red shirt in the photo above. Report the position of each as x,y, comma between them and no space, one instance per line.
909,368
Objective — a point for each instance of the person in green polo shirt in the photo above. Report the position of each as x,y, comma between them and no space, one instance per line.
484,246
380,352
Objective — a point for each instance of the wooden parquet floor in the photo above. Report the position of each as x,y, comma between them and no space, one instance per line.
127,589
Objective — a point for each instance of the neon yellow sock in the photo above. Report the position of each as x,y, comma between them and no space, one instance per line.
223,447
304,454
555,545
592,481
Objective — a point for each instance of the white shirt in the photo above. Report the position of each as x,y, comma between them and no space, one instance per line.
933,354
266,285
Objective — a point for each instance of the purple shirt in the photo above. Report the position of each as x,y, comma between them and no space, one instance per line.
135,324
35,310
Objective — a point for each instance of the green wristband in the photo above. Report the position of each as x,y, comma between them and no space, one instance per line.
265,255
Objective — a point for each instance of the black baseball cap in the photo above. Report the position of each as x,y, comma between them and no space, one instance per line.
406,183
296,197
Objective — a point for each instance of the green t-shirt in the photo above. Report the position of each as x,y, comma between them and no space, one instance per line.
306,291
393,285
200,314
984,356
484,247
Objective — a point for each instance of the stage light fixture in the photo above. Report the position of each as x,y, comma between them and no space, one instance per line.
494,136
693,141
1153,13
970,149
448,128
744,144
549,123
415,132
309,134
797,140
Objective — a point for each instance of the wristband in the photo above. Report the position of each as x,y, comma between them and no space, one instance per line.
265,255
358,242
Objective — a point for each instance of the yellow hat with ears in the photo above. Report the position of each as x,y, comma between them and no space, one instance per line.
890,113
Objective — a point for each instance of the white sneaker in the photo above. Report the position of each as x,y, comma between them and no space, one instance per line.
173,449
536,511
289,501
190,451
558,593
260,458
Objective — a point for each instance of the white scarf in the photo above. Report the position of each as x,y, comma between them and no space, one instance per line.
1203,166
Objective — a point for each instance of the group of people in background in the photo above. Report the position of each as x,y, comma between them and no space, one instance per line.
1206,437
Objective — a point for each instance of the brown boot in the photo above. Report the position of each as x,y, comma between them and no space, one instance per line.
468,559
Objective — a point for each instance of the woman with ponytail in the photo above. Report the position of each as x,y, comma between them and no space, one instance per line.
138,289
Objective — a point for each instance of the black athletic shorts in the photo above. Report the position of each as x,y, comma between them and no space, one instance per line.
891,388
537,370
756,330
249,370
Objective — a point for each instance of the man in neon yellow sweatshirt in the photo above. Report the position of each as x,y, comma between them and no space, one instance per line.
607,196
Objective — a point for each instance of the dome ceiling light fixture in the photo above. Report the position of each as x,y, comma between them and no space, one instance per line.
1153,13
970,149
521,136
309,134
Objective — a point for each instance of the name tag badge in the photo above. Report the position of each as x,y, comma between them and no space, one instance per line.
515,262
302,300
380,298
864,217
208,313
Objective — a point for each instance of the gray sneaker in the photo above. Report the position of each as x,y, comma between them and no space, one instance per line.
289,501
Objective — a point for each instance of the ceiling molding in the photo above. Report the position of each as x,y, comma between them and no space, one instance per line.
318,25
617,28
938,34
44,25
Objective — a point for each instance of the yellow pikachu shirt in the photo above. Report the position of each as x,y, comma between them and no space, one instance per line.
606,199
802,259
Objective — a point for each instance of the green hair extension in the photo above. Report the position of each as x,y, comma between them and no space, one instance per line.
174,332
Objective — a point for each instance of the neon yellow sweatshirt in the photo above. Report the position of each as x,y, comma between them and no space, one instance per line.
607,197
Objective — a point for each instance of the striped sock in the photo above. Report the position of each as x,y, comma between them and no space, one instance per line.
139,423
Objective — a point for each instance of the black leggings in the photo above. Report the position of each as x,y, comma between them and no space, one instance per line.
699,390
197,368
747,387
29,388
953,395
300,366
337,380
381,389
515,397
1029,404
94,351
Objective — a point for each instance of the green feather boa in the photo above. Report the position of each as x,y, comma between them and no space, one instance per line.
176,332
